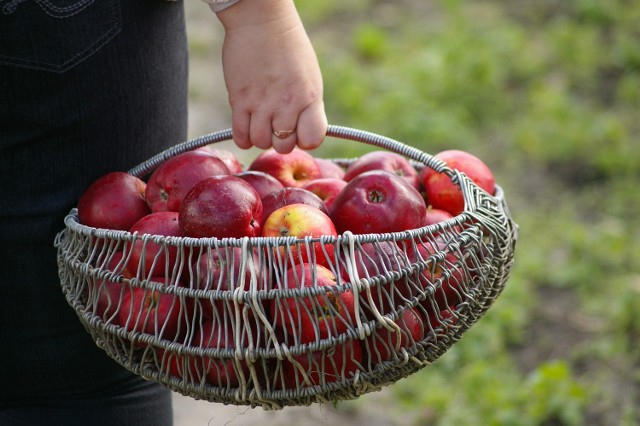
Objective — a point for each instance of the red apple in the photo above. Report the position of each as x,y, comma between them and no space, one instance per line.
176,365
153,312
330,169
383,160
292,169
326,188
445,273
220,270
229,158
222,207
383,343
440,191
221,371
375,261
263,183
170,182
378,202
113,201
301,221
437,215
105,295
322,366
440,320
311,318
289,195
159,259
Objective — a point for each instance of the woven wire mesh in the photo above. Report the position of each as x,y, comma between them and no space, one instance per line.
239,321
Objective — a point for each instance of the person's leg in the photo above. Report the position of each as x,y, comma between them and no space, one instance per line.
135,402
102,86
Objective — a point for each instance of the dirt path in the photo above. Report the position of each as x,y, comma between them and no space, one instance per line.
189,412
373,409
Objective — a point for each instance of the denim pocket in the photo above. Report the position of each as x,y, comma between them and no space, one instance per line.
55,35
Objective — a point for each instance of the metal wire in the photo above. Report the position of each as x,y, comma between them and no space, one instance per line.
237,322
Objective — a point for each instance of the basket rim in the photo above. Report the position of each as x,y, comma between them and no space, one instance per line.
72,223
421,158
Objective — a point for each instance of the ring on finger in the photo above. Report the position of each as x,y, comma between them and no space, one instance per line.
283,134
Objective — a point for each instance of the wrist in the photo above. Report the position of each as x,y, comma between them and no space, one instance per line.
257,13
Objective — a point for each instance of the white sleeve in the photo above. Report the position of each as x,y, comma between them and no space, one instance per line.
218,5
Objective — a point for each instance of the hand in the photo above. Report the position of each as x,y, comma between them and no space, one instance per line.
272,76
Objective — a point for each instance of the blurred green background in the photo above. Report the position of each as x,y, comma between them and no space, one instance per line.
547,93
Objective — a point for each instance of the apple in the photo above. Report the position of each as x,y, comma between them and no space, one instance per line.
442,193
113,201
436,216
330,169
176,365
311,318
289,195
190,368
374,261
378,201
105,295
328,365
228,157
263,183
154,312
443,319
222,207
149,258
221,371
169,183
383,160
293,169
383,343
445,274
220,270
301,221
326,188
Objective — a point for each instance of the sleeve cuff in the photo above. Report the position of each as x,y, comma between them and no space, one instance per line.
219,5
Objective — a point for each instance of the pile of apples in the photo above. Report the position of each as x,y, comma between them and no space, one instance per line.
208,193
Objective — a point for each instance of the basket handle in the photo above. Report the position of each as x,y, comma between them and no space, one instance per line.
469,189
335,131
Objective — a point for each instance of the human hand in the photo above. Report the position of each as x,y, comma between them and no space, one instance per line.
272,76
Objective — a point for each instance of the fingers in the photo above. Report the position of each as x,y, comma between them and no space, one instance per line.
284,139
284,126
240,129
312,126
260,130
284,131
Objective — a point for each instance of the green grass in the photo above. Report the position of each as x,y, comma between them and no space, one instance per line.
548,94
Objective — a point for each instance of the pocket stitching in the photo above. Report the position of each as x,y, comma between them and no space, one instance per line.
59,12
78,57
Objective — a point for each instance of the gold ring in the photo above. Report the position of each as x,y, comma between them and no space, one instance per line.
283,134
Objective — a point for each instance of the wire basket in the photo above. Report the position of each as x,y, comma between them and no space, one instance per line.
235,321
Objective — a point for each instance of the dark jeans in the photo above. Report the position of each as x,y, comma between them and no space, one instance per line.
86,87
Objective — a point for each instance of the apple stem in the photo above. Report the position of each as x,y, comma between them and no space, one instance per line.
376,196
